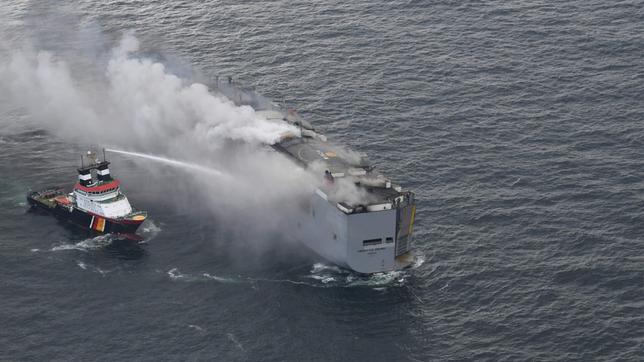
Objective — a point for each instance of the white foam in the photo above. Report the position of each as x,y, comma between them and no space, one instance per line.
67,247
333,276
149,230
84,266
380,279
219,279
87,244
319,267
324,278
235,340
101,271
194,326
150,227
174,274
418,261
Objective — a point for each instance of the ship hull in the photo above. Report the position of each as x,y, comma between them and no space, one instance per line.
87,220
369,242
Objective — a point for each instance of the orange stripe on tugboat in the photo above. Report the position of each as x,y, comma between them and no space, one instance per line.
97,223
100,225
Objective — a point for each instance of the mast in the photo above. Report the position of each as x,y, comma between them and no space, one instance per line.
84,175
101,167
102,170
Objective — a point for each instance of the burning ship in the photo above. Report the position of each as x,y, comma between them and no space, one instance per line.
96,202
370,234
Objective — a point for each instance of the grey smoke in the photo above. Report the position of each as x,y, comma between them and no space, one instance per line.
138,96
136,104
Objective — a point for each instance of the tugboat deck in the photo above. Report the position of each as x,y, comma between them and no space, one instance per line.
47,197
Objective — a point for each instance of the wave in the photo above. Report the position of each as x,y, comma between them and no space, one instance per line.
196,327
334,276
149,230
87,244
320,276
349,279
148,233
93,268
176,275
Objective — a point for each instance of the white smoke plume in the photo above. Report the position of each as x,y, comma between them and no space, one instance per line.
134,103
139,101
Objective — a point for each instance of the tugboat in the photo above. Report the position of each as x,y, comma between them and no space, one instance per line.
96,201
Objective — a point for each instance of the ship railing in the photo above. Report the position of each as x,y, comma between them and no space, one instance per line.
133,214
113,199
50,192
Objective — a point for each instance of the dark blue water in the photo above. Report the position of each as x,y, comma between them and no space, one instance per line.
518,124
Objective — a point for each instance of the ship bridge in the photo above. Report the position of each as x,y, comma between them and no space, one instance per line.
97,192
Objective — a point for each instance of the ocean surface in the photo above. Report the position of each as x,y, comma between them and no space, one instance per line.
519,125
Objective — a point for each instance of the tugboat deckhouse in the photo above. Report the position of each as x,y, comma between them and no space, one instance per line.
112,186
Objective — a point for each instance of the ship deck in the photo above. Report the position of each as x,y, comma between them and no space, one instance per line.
311,149
47,197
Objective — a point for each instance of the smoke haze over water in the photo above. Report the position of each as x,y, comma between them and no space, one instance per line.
137,104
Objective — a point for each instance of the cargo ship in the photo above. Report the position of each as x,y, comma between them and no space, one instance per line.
95,203
371,231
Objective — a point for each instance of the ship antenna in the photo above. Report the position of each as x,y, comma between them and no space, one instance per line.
82,165
104,159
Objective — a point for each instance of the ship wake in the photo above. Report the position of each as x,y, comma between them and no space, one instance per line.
86,245
320,276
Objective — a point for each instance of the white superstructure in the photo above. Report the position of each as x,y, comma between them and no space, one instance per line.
100,195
